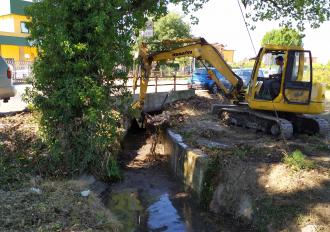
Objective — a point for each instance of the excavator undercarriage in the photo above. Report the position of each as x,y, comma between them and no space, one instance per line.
282,125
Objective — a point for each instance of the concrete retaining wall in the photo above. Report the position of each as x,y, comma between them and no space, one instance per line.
186,164
155,101
189,166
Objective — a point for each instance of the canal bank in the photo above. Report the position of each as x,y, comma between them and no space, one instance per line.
150,198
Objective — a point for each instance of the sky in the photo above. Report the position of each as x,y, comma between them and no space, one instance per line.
220,21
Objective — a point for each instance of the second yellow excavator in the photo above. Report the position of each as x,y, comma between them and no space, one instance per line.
281,101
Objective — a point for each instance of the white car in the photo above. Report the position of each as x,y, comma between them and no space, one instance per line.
7,90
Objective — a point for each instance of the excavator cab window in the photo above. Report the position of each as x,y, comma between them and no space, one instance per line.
268,85
298,77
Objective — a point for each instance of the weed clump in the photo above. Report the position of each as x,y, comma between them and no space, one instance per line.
298,161
210,178
57,206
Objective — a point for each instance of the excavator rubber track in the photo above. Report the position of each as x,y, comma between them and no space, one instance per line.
282,126
244,117
311,124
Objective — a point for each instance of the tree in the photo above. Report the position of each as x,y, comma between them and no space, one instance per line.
283,36
171,26
293,13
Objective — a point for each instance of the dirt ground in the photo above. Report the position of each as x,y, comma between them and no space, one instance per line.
288,182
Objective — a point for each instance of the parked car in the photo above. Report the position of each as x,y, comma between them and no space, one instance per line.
7,90
245,74
201,80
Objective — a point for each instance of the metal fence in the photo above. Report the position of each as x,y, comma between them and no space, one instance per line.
21,70
157,81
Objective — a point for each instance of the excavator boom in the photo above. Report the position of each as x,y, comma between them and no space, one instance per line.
198,49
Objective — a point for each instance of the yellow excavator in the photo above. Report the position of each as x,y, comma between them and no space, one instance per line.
281,97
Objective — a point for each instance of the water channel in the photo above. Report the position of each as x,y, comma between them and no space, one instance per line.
150,199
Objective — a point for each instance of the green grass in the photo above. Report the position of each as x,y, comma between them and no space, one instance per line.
209,181
298,161
270,213
243,151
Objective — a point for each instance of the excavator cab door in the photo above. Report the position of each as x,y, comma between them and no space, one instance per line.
297,87
267,75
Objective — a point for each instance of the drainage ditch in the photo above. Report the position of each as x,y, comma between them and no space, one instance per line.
149,198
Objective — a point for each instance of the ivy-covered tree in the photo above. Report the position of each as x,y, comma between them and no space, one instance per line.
283,36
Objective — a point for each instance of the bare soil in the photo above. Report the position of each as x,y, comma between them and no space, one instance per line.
284,198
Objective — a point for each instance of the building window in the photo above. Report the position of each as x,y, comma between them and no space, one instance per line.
24,28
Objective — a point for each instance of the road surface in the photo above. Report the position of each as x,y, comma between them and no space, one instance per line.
17,104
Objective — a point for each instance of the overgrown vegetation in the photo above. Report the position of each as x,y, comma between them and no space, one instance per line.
298,161
210,181
20,151
57,207
243,151
31,203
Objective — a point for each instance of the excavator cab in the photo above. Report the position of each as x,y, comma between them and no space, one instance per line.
286,84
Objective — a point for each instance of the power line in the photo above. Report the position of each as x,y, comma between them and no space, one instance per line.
255,51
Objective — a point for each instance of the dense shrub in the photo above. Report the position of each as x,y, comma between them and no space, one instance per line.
83,49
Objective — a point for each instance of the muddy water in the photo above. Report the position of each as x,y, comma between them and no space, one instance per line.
149,199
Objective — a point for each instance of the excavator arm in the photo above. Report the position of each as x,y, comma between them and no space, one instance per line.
199,49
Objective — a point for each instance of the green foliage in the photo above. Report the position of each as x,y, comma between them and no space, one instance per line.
209,181
243,151
295,13
269,213
171,26
321,74
297,161
283,36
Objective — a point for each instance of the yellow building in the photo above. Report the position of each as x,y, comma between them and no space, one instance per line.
13,32
228,55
